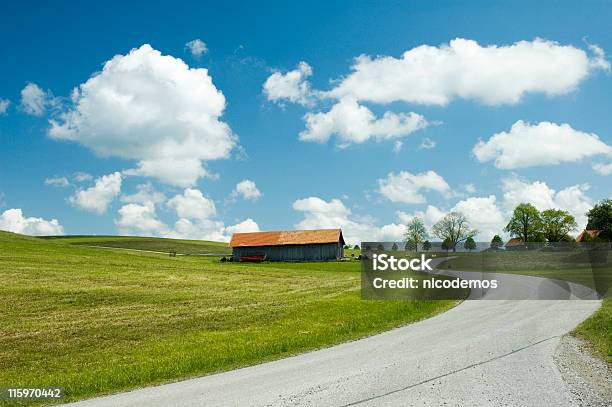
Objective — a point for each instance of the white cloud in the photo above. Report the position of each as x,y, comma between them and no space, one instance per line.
145,193
35,101
139,220
57,181
4,105
464,69
470,188
603,169
353,123
197,47
321,214
291,86
98,197
406,187
192,204
484,215
430,215
599,61
247,189
82,176
572,199
12,220
545,143
397,147
247,225
427,144
151,108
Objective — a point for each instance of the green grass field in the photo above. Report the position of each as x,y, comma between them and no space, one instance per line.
97,321
153,244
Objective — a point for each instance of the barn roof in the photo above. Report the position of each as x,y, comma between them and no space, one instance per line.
592,233
515,241
287,237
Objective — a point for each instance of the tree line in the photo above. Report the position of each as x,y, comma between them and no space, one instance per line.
527,223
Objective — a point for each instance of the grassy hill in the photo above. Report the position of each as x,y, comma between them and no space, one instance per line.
154,244
97,321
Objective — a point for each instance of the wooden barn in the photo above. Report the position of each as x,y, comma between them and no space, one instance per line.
291,245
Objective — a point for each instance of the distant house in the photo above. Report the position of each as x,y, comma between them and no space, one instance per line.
514,243
587,234
291,245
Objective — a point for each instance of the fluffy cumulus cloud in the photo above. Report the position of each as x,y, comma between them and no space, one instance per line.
196,217
98,197
603,169
197,47
406,187
354,123
332,214
4,105
248,190
12,220
192,204
572,199
484,215
545,143
145,193
151,108
291,86
464,69
35,101
140,220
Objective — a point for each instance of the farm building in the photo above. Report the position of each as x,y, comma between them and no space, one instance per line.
292,245
514,243
587,235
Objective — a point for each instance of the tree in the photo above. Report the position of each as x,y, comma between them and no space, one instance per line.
380,247
453,227
556,224
415,232
426,245
394,247
447,244
600,218
496,242
526,223
356,247
409,246
469,244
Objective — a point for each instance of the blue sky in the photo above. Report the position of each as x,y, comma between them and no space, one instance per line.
336,181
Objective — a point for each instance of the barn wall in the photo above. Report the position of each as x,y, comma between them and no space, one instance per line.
306,252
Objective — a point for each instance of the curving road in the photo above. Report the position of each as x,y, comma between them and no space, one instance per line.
480,353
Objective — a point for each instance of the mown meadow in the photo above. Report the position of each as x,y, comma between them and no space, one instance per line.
97,321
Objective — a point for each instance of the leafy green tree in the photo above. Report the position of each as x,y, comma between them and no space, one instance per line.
426,245
496,242
556,224
415,232
394,247
447,244
600,218
356,247
469,244
380,247
453,227
409,246
526,223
